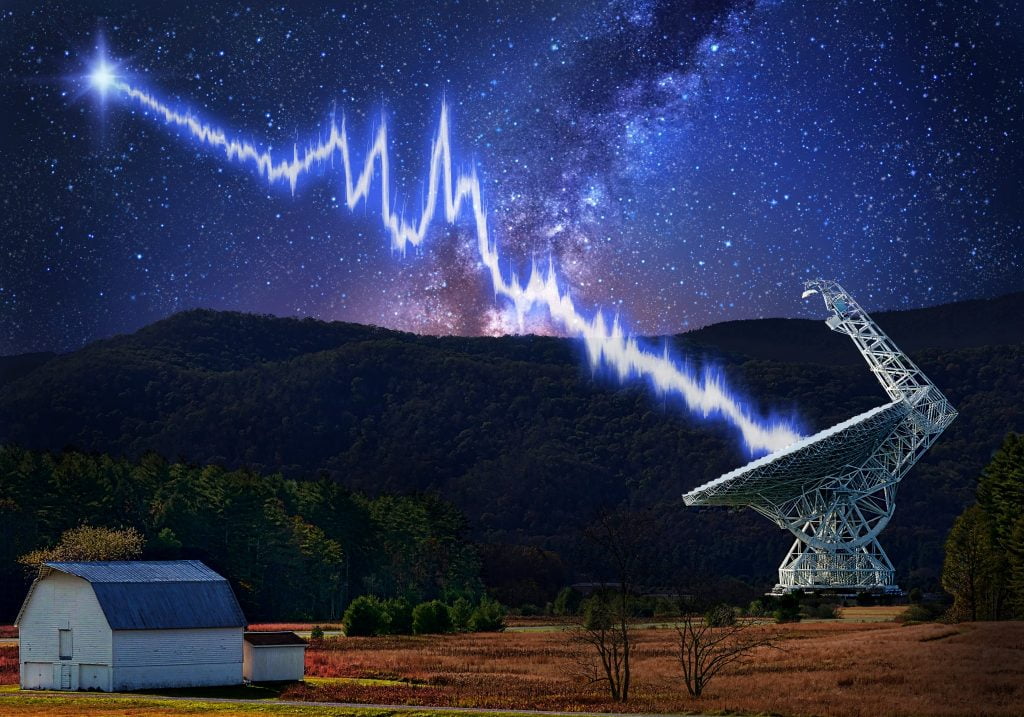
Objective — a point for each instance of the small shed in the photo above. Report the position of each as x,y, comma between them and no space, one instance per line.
273,657
129,625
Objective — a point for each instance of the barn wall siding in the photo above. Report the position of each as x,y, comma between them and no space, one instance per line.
176,658
274,663
62,602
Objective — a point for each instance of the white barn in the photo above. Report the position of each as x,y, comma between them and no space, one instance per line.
273,657
129,625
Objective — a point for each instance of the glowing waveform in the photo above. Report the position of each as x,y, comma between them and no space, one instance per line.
608,344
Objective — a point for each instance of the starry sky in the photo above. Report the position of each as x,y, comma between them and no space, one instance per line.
680,163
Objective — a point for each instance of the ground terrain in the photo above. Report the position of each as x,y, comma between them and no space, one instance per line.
858,666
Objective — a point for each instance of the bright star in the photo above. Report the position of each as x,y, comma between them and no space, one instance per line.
102,76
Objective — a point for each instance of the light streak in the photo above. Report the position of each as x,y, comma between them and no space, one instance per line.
607,343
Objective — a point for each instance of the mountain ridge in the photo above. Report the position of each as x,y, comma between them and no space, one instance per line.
517,431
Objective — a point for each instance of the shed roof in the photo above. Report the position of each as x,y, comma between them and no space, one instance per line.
156,595
273,639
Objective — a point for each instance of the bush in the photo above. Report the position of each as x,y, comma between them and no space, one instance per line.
429,618
787,608
567,602
489,616
720,615
921,612
364,616
758,608
460,612
317,633
397,617
597,612
820,611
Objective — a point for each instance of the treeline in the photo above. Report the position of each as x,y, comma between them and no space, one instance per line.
292,549
370,615
517,432
984,565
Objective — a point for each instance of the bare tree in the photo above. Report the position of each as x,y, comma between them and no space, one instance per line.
604,633
626,543
711,643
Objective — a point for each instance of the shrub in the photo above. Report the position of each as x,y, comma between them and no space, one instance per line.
317,633
820,611
460,612
364,616
787,608
757,608
430,618
720,615
597,612
567,602
397,617
921,612
489,616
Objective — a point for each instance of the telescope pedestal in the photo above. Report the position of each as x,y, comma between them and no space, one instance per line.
862,569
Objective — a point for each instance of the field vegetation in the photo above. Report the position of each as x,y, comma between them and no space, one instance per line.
821,667
856,667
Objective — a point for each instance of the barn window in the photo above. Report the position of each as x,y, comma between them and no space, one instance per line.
64,644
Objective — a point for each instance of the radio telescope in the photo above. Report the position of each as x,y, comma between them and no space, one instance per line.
836,490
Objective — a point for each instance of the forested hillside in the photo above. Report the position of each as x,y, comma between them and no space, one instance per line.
516,431
291,549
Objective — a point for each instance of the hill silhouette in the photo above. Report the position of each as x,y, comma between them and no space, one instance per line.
517,431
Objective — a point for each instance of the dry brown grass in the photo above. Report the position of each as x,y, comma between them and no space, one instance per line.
8,631
293,626
825,668
9,671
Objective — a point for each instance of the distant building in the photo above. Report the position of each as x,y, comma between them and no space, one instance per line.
116,626
273,657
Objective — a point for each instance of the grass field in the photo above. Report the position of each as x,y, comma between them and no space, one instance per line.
850,667
100,706
835,668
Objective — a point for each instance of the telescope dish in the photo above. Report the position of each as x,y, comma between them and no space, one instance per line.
836,490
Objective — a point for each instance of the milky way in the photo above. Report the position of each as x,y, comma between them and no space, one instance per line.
681,166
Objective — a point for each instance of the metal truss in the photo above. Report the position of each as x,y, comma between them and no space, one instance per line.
836,490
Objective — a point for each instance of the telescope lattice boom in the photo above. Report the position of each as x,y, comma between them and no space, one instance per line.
836,490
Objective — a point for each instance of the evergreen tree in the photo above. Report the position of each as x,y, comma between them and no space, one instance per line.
969,571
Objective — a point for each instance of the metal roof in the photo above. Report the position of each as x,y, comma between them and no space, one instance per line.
158,595
138,571
274,639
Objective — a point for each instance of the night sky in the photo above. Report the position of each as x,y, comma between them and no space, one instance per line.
680,163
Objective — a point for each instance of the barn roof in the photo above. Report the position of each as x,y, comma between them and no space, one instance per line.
273,639
156,595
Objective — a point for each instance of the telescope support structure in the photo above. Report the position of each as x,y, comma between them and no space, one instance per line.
837,524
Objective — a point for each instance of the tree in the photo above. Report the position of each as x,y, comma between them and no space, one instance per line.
624,541
1001,498
969,570
489,616
604,632
363,617
1015,579
710,644
430,618
88,542
567,602
461,611
397,617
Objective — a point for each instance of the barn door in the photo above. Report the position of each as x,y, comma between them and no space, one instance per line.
65,677
64,640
